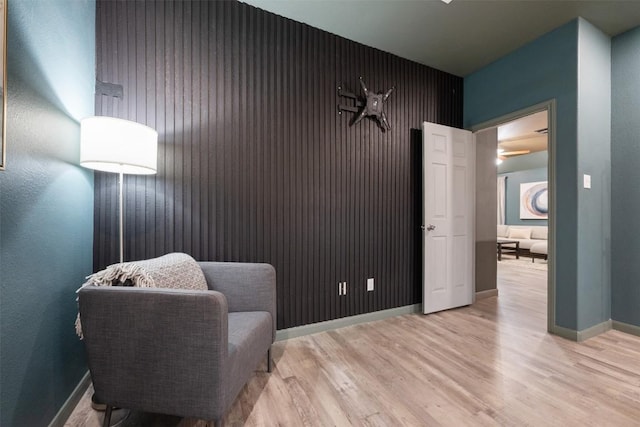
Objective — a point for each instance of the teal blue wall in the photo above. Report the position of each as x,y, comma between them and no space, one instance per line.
512,194
46,207
535,160
571,65
594,159
625,178
544,69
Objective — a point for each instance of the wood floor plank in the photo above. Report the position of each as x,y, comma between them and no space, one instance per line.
489,364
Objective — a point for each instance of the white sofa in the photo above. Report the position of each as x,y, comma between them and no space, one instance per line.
532,238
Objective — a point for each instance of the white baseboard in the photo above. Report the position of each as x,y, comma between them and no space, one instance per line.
329,325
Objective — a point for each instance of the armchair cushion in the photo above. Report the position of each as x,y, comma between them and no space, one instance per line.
247,286
249,334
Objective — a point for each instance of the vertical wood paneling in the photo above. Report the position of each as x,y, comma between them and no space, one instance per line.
255,164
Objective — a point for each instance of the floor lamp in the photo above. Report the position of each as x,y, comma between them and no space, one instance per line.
119,146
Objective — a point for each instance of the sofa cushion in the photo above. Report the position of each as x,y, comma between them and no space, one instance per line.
527,243
519,233
503,230
539,248
539,232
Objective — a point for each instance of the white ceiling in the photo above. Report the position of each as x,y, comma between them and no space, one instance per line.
522,135
458,38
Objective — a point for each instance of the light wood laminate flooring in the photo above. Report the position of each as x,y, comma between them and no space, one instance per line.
489,364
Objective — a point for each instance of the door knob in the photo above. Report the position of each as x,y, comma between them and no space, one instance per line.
431,227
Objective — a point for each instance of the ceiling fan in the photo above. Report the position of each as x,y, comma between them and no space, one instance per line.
502,154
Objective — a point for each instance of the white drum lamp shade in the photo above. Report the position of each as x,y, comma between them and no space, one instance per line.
120,146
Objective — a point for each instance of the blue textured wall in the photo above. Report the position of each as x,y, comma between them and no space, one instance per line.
594,158
512,196
544,69
625,178
535,160
571,65
46,206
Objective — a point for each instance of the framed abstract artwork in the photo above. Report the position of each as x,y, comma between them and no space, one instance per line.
534,200
3,83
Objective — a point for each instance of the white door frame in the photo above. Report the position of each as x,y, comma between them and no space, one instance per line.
550,107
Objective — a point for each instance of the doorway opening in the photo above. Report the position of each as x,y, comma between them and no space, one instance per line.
525,213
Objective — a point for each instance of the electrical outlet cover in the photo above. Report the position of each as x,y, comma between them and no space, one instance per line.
370,285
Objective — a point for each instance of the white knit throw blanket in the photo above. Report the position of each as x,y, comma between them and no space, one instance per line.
174,270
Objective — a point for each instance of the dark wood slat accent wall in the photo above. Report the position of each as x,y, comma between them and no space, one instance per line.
255,163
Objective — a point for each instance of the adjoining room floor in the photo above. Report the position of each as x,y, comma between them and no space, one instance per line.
492,363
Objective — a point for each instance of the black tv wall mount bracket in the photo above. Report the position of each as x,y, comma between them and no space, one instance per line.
370,106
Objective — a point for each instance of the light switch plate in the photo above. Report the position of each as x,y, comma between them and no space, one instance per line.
587,181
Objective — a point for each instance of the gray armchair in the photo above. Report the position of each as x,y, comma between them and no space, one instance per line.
180,352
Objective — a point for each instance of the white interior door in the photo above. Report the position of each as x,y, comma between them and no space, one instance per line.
448,234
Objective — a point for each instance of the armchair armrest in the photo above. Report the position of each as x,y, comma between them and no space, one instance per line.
247,286
166,342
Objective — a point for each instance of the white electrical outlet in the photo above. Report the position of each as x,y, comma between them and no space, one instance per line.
370,284
342,288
